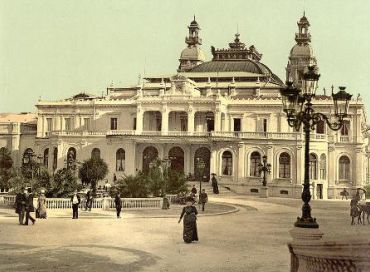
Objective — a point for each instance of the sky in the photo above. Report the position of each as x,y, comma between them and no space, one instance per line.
54,49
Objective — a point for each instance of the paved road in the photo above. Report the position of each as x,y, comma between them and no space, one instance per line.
252,239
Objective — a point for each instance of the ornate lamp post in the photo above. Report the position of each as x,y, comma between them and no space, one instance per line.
200,166
299,110
264,168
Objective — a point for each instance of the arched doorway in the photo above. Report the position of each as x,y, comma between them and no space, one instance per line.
204,154
150,153
176,155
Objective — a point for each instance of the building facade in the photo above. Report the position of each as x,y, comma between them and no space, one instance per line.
226,111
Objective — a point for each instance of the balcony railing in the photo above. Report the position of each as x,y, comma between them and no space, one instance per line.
213,134
75,133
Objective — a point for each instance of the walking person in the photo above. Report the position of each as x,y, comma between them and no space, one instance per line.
29,207
189,212
214,184
41,205
203,198
118,203
194,190
20,205
75,199
89,200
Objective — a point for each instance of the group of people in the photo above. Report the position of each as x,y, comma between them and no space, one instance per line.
24,206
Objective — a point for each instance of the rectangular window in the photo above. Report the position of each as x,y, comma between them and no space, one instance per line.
237,124
87,124
49,124
68,124
134,126
264,125
113,123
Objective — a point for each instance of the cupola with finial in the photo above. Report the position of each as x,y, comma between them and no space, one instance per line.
192,55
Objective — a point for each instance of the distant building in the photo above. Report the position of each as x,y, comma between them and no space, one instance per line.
226,111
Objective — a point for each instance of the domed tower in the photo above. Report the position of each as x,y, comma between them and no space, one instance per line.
192,55
301,55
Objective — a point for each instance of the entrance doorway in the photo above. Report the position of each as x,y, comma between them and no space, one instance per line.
176,155
319,191
204,154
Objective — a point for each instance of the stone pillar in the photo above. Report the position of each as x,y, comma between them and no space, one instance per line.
270,160
164,121
214,160
39,126
331,166
191,114
241,164
218,120
227,122
139,119
76,121
358,168
57,123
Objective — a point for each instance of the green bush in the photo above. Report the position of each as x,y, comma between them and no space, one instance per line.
64,183
92,171
176,183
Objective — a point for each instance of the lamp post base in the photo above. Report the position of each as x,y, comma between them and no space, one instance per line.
264,193
309,223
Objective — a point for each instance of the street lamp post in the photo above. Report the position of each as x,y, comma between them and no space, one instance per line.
299,110
264,168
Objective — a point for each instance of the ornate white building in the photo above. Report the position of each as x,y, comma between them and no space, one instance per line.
226,111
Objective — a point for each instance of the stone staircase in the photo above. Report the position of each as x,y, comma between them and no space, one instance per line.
208,187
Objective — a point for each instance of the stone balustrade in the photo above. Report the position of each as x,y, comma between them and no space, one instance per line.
98,203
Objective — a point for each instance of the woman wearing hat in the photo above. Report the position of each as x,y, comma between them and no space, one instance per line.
189,212
41,205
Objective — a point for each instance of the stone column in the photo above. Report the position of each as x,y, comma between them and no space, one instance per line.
358,168
218,120
57,123
164,120
241,162
214,161
191,114
227,122
139,119
39,125
270,160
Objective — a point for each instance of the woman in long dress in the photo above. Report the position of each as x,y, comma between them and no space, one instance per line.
41,205
189,212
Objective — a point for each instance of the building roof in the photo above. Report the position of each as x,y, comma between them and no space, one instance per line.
236,66
24,117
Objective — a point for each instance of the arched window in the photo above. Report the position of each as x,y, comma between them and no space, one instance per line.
322,166
227,163
255,162
344,168
27,156
55,159
46,157
284,165
313,166
120,160
95,153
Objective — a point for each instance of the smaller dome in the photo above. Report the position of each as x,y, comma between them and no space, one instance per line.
301,50
192,53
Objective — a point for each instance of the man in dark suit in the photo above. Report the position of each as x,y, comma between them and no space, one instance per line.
29,208
20,204
75,199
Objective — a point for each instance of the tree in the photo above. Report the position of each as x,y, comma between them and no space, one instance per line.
64,183
155,179
176,182
6,164
92,170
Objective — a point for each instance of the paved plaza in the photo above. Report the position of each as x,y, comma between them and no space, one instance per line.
239,233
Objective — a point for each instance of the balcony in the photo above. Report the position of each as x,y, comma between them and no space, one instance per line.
75,133
212,134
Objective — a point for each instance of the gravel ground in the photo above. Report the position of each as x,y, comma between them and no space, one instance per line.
252,239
